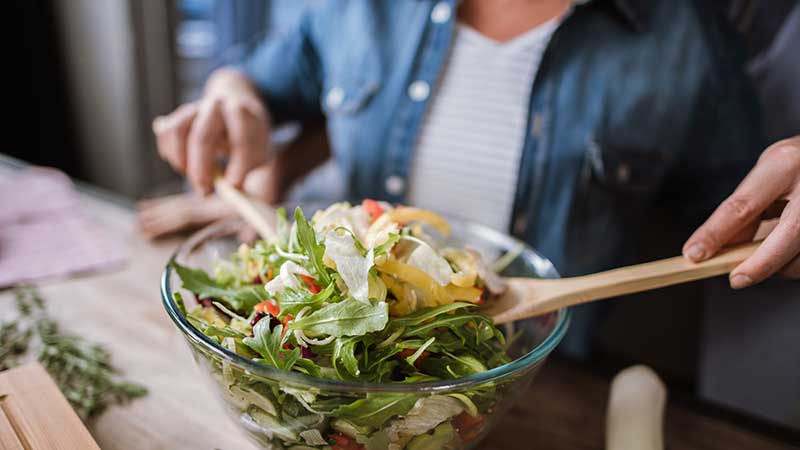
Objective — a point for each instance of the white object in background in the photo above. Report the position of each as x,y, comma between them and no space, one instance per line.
635,418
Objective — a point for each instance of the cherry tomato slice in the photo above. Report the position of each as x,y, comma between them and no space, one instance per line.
267,307
345,443
373,208
312,284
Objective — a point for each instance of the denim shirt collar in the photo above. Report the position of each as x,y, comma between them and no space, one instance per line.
633,12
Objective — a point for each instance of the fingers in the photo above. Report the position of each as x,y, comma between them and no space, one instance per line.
168,215
780,248
246,128
770,179
161,216
205,138
171,132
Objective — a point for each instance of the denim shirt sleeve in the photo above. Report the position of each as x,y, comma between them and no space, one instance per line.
286,70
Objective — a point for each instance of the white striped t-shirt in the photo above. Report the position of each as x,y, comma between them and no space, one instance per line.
468,152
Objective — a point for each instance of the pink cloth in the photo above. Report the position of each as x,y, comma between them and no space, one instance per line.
43,234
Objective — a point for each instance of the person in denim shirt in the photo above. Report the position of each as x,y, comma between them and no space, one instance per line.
640,119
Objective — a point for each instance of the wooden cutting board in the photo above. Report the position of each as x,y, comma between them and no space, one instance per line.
35,416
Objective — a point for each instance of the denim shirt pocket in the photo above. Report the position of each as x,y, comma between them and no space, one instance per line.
627,171
351,82
615,185
347,96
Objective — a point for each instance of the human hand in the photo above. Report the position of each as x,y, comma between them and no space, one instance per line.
163,216
230,118
771,189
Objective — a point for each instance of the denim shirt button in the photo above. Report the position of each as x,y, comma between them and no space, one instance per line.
335,97
441,12
419,90
623,173
395,185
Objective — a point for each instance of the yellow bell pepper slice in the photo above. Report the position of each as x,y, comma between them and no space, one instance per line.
433,293
468,294
407,214
467,273
405,303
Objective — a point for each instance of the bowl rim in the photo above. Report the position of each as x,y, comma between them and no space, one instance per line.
522,363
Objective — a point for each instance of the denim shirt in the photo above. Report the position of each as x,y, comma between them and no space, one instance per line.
640,110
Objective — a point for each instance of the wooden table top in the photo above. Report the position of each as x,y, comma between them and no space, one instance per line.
564,408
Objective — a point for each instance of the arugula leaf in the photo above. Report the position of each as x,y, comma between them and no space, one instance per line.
469,362
344,352
413,358
452,366
380,356
269,344
179,303
307,239
349,317
225,331
240,300
308,367
292,301
386,246
424,314
376,409
453,322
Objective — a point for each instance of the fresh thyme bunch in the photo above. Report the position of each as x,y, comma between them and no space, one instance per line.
82,370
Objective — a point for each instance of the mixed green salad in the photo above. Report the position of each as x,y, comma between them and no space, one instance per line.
357,293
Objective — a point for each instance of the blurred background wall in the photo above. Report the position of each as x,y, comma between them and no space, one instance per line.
89,76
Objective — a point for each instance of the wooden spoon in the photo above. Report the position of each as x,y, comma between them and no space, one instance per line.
528,297
254,212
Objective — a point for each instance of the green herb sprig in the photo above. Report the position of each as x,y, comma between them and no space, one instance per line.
82,370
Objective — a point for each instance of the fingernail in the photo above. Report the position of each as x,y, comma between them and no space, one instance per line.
740,281
158,124
696,252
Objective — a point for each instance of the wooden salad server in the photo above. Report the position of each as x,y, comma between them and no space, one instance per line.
529,297
254,212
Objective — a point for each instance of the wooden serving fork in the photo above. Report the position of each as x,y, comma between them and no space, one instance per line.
528,297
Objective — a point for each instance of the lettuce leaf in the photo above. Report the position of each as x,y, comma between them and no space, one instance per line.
425,258
426,415
286,278
351,264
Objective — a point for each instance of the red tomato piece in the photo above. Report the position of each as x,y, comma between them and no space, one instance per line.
312,284
345,443
406,352
267,307
467,426
285,323
373,208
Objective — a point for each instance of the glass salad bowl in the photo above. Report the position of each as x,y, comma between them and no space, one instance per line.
289,410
